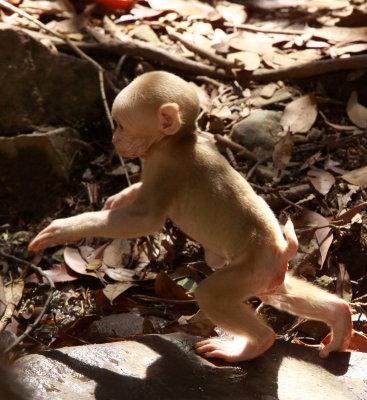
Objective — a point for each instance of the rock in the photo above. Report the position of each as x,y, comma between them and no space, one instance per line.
34,169
258,132
116,325
11,389
160,367
39,87
264,174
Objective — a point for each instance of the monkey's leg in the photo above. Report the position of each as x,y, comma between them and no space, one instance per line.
306,300
221,298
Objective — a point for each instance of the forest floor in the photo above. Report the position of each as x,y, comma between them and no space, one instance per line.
306,60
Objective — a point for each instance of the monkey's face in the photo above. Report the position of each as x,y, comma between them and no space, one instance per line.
133,138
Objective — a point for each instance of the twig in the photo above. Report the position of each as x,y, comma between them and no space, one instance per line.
138,48
253,28
289,202
47,302
332,225
160,300
235,146
203,52
254,167
6,317
329,143
304,70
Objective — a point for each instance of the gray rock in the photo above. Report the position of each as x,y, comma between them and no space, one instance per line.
115,325
39,87
160,367
258,132
34,169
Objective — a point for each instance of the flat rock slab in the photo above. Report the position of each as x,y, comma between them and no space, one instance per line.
165,367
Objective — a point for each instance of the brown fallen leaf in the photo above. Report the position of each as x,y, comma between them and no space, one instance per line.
75,260
335,34
14,292
269,90
357,177
356,112
274,4
324,236
231,12
251,42
167,288
350,48
57,274
348,215
250,61
189,8
321,180
300,114
118,253
282,153
114,290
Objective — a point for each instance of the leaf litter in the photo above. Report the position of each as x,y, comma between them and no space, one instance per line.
320,162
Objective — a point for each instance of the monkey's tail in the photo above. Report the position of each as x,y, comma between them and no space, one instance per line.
292,241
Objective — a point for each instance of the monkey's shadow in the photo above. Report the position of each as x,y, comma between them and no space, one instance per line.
181,374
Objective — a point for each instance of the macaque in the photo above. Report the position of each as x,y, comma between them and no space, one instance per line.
186,179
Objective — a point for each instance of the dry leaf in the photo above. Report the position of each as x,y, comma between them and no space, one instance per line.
189,8
321,180
14,292
356,112
221,112
300,114
75,260
335,34
350,48
94,265
251,42
274,4
269,90
357,177
167,288
57,274
118,253
120,274
350,214
250,61
114,290
234,13
323,236
282,153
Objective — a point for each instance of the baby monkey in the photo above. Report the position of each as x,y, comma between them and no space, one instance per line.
186,179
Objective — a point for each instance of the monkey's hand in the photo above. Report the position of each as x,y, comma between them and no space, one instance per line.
58,232
123,198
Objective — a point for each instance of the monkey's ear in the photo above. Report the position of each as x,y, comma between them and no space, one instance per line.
169,118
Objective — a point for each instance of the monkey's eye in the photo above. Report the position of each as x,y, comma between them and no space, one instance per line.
118,125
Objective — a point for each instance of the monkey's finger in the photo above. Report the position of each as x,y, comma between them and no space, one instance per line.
37,244
44,239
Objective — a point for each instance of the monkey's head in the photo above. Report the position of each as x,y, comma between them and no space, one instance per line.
154,106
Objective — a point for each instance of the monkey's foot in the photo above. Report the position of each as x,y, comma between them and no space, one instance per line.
237,349
341,330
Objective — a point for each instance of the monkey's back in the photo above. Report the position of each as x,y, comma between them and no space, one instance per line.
215,205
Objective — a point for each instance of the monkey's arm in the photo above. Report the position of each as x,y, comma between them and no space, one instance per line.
146,214
123,222
123,198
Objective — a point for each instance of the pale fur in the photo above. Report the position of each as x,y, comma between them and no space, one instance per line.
186,179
